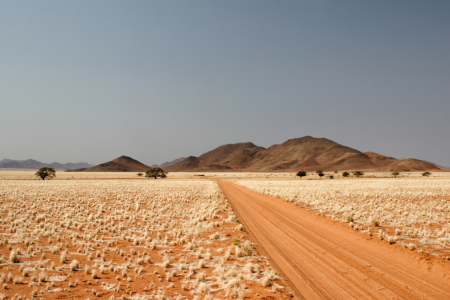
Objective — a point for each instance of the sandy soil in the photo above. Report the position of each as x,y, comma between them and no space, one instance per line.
132,239
326,260
412,212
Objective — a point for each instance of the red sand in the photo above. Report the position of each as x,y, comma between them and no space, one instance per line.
326,260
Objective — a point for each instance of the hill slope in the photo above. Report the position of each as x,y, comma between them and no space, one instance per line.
223,158
306,153
120,164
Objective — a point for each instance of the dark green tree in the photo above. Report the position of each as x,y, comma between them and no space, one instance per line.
139,174
320,173
358,173
155,172
45,172
301,174
395,174
346,174
426,174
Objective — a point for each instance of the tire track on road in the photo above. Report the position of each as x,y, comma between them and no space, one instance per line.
325,261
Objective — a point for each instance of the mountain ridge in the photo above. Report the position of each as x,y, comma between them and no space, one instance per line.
305,153
34,164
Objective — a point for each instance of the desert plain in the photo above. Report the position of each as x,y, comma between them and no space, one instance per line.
212,235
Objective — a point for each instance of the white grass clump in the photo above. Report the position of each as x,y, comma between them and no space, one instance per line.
74,265
14,257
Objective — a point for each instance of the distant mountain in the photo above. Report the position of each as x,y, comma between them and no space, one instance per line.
34,164
169,163
120,164
306,153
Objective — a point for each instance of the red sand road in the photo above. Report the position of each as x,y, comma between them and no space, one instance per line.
324,260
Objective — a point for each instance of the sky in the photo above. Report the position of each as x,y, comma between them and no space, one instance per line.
89,81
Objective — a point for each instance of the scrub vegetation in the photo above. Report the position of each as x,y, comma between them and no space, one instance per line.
133,239
412,212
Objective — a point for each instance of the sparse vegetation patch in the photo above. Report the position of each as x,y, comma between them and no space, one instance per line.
401,211
133,239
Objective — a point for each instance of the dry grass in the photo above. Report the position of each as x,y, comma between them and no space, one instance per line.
399,210
124,238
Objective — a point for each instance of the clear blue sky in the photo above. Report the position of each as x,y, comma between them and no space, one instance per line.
157,80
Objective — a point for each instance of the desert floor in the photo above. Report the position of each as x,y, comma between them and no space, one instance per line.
179,238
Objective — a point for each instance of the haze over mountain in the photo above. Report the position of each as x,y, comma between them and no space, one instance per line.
169,163
34,164
120,164
306,153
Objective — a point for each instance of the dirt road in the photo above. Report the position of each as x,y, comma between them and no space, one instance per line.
325,260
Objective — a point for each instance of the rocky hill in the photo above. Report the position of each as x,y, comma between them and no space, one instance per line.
120,164
223,158
306,153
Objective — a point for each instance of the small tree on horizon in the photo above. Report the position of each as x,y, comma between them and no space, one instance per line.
301,174
45,172
395,174
426,174
139,174
358,173
155,172
346,174
320,173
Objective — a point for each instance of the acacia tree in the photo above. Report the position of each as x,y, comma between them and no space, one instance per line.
320,173
155,172
358,173
301,174
346,174
426,174
45,172
395,174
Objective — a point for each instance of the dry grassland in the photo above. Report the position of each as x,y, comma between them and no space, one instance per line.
17,174
412,212
60,175
128,239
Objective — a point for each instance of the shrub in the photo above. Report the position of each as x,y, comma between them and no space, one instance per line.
374,222
346,174
301,174
247,248
358,173
235,241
